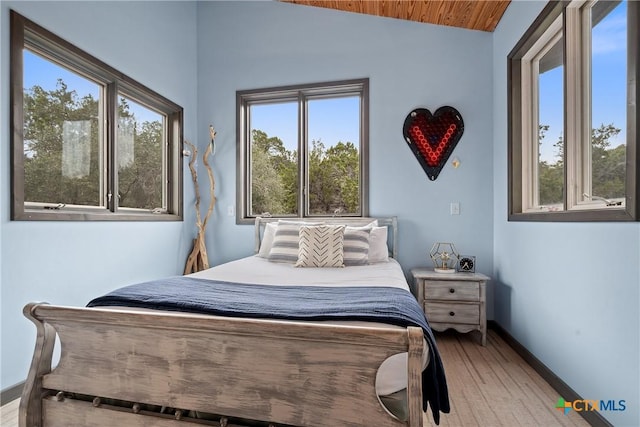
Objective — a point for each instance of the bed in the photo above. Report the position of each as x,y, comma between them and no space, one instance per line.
137,365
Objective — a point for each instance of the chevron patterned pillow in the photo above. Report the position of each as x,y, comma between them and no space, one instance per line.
321,246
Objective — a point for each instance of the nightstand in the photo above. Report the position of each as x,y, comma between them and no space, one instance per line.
453,300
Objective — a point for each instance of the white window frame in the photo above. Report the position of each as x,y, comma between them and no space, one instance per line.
571,20
530,119
301,94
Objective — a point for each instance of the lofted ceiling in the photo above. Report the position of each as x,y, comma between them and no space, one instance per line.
481,15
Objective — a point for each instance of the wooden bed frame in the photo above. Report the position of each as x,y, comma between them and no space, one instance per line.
118,366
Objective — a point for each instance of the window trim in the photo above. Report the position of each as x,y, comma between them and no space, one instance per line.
538,50
516,168
25,32
298,93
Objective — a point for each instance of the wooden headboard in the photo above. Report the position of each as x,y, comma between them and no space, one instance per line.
390,222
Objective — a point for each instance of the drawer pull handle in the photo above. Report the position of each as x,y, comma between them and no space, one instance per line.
452,291
451,313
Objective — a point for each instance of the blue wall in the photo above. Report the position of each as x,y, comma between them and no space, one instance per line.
551,289
249,45
69,263
568,292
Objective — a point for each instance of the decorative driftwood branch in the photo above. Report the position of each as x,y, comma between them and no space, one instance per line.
198,259
212,181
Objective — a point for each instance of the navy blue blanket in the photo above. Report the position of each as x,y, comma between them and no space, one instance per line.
375,304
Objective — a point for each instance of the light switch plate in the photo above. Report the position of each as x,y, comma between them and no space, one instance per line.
455,208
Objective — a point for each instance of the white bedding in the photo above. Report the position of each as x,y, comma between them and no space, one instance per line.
259,271
392,376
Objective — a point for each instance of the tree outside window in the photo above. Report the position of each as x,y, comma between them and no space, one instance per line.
303,151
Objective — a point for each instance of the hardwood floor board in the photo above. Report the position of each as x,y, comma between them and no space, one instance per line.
496,395
465,402
516,413
537,395
9,414
493,386
519,375
483,412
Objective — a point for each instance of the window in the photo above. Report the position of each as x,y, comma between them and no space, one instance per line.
572,114
88,143
303,151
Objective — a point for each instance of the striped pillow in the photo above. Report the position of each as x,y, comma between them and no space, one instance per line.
321,246
356,246
285,241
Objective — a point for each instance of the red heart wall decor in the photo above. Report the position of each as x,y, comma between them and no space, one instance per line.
432,137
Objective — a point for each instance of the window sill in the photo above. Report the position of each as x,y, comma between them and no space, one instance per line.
82,215
583,215
311,218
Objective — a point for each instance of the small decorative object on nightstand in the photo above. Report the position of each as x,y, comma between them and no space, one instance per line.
444,257
467,264
456,300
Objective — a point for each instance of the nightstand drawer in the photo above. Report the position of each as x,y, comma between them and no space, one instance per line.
448,290
452,313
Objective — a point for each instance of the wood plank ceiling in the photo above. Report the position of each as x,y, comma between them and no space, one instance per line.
481,15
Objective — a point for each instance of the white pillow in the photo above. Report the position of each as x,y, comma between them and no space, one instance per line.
378,249
321,246
267,239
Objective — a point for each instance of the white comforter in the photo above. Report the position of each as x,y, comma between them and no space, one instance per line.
259,271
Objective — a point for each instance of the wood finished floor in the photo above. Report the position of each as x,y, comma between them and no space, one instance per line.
488,386
9,414
493,386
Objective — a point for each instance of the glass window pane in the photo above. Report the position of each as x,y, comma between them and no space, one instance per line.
551,128
334,156
274,159
140,156
608,101
63,152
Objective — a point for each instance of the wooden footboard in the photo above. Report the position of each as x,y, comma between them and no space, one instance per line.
274,372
